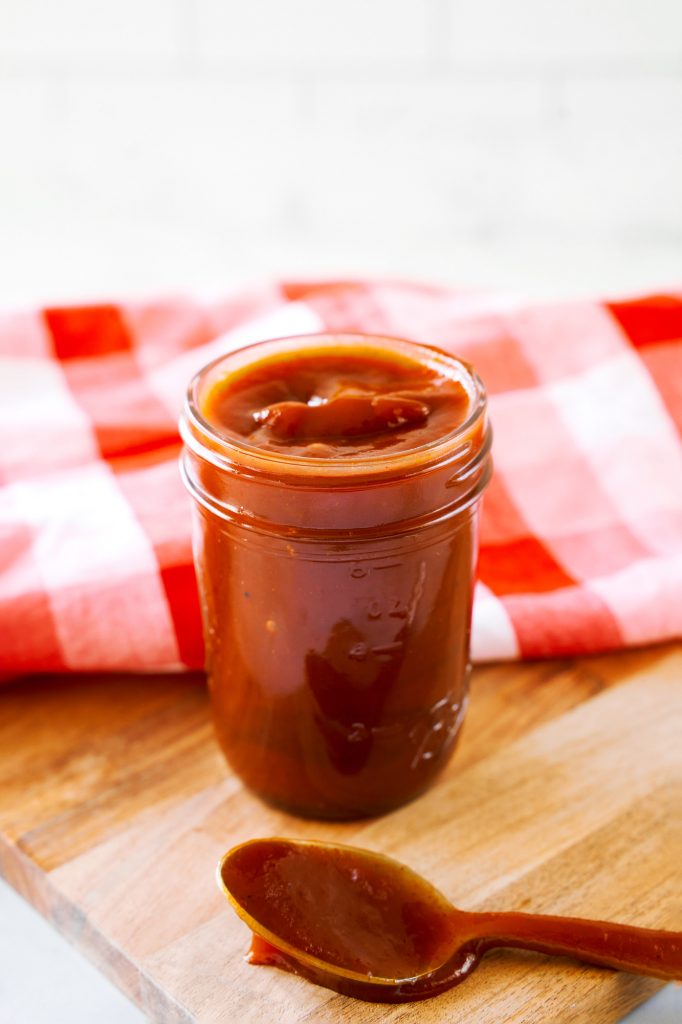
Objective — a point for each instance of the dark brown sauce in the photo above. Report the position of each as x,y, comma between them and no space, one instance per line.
325,405
369,927
337,647
346,910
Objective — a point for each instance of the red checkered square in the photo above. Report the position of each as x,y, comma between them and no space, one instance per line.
87,332
521,565
651,321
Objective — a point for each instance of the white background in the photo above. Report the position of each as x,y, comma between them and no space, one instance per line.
180,144
185,145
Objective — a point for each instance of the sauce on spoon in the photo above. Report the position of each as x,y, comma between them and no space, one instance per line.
367,926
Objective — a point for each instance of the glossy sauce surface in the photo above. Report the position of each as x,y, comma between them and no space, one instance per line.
342,908
324,405
369,927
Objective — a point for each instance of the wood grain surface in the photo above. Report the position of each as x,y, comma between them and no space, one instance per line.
564,797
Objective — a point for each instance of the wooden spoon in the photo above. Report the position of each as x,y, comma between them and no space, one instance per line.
367,926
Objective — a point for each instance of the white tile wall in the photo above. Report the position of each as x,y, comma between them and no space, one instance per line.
518,31
154,143
210,152
35,29
324,34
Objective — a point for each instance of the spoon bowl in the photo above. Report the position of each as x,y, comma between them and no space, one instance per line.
365,925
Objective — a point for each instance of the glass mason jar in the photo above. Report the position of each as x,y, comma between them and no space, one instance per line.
336,599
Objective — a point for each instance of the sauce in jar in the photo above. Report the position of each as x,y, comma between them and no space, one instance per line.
336,481
324,405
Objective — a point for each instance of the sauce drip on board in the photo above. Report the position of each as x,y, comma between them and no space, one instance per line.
323,405
369,927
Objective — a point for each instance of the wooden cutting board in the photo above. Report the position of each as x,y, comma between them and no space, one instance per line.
564,797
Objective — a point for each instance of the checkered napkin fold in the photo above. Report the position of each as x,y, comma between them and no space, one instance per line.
581,533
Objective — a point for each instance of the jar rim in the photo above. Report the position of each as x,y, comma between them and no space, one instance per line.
207,442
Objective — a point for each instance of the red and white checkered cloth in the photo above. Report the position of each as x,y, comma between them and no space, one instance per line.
582,523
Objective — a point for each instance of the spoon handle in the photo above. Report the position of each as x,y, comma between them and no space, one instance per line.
638,950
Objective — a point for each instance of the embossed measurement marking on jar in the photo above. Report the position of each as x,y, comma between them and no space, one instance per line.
388,652
359,572
382,652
